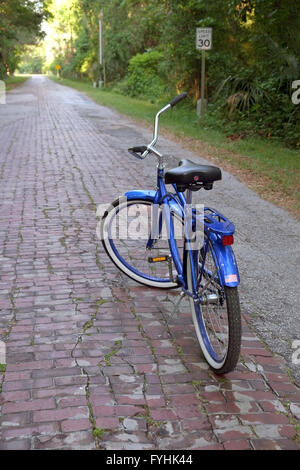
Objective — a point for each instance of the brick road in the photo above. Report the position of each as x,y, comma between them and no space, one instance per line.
93,360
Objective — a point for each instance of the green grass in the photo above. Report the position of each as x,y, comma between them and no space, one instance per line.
278,166
16,80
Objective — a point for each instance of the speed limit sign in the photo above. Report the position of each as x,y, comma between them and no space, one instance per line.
203,43
203,38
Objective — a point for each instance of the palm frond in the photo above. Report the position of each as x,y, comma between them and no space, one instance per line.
241,93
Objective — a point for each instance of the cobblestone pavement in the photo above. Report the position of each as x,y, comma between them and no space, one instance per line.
95,361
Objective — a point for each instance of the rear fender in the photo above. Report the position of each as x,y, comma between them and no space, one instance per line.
228,269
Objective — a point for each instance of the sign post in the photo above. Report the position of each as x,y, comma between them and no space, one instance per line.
58,68
203,43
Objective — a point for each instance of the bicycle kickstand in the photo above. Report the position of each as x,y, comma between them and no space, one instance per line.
175,312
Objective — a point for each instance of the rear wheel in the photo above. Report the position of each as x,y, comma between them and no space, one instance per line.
217,317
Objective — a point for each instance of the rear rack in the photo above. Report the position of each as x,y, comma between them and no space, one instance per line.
217,223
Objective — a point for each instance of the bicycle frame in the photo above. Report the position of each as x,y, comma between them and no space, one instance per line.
204,268
215,225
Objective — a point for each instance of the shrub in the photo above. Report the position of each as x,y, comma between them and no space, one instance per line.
145,77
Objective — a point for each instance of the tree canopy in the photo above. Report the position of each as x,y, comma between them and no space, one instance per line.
20,25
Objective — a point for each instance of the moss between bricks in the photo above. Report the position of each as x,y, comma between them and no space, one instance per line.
112,353
98,433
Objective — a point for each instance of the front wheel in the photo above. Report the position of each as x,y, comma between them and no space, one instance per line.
125,232
216,313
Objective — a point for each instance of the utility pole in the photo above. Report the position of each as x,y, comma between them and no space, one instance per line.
101,50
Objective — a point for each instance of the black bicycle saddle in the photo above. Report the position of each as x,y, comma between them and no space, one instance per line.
188,173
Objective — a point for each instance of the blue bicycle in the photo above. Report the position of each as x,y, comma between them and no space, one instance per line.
159,239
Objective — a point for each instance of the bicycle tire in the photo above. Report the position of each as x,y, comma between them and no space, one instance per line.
228,302
122,260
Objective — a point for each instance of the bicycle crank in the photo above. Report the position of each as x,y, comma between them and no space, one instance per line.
163,258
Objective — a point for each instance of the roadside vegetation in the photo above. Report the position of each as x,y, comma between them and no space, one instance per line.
14,81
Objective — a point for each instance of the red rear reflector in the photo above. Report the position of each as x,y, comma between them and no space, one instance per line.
227,240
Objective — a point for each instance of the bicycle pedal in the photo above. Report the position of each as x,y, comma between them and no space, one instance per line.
164,258
158,259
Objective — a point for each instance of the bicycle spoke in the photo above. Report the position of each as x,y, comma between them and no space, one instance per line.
214,314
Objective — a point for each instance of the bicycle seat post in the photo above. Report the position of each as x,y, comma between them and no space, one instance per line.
188,196
160,164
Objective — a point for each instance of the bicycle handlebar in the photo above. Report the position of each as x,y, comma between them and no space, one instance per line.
137,152
177,99
141,152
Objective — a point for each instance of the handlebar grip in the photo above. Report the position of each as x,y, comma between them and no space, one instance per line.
137,151
177,99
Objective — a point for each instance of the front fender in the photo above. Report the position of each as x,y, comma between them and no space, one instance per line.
145,195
